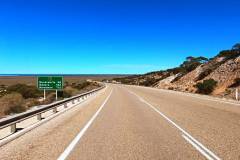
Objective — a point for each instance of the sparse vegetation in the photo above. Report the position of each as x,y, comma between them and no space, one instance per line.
69,92
206,87
205,73
236,83
192,63
229,54
20,97
25,90
11,103
236,47
148,82
82,85
152,78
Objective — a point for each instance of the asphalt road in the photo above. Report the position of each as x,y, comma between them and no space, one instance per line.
128,122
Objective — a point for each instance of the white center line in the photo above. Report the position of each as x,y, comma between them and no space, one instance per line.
200,147
69,149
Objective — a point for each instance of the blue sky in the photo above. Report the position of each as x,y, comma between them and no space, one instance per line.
112,36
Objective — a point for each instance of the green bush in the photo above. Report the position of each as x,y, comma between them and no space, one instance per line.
206,87
25,90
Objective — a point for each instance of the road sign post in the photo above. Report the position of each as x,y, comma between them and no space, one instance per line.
56,95
50,83
44,96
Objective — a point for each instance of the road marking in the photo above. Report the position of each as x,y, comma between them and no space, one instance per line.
204,151
69,149
197,147
190,95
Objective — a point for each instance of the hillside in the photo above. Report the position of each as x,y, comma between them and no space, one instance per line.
218,76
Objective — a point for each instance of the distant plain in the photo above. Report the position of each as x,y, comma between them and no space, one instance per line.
32,79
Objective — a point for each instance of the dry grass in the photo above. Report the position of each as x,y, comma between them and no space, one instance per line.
11,103
20,97
70,91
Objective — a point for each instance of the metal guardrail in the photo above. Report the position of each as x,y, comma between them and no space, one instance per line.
13,120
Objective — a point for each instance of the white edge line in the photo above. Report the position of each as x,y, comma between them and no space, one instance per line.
190,95
178,127
197,147
71,146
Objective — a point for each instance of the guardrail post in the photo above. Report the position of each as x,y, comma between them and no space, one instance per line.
39,117
78,99
65,105
14,128
55,110
236,94
73,102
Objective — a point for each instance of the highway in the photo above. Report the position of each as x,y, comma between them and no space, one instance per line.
132,123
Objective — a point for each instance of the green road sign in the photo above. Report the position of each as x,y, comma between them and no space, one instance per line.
50,83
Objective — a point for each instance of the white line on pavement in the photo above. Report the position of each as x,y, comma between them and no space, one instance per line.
69,149
197,147
214,99
206,150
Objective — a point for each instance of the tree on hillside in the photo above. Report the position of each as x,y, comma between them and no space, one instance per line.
189,58
191,63
236,47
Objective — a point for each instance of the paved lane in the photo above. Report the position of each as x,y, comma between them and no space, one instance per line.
128,129
215,124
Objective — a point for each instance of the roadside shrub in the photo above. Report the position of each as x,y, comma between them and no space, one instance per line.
236,83
30,102
205,74
69,91
11,103
50,98
206,87
82,85
25,90
149,82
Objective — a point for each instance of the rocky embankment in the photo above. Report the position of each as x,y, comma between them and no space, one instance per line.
223,69
225,73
